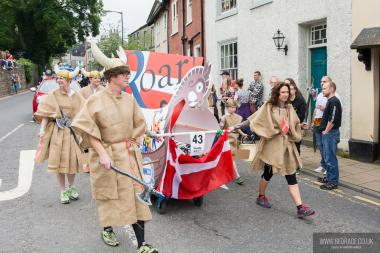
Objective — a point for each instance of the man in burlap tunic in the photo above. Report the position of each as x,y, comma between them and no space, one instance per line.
58,145
110,122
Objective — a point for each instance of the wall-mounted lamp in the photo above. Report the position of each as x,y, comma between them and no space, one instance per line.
278,39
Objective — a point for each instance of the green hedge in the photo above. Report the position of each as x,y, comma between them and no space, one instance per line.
29,67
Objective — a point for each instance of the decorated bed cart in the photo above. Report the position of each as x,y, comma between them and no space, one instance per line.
184,160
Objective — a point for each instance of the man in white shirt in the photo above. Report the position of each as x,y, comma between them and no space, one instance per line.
320,105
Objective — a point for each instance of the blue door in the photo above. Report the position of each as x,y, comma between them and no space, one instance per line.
318,68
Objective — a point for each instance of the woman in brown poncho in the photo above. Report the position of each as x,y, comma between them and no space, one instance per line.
57,143
110,122
277,123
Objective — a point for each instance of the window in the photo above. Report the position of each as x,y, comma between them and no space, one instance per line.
318,34
174,17
197,51
189,15
229,58
227,5
258,3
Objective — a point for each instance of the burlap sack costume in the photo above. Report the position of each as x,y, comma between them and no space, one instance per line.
275,148
58,145
112,120
230,120
87,91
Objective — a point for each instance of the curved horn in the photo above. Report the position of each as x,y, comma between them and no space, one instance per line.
85,73
100,57
74,73
122,56
102,72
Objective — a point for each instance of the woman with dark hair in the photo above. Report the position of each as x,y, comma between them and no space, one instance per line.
242,98
279,127
298,103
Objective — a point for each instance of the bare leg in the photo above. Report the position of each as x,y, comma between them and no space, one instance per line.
294,191
61,181
70,178
262,186
236,170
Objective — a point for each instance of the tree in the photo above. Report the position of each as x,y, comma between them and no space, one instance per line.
47,28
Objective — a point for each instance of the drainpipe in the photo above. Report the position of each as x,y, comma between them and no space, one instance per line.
183,38
202,31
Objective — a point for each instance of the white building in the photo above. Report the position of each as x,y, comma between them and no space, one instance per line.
159,18
317,33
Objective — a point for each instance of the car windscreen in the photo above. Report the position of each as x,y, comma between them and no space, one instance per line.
48,85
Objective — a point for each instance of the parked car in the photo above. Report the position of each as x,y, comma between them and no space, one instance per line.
45,87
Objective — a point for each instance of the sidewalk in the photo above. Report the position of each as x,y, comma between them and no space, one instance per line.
359,176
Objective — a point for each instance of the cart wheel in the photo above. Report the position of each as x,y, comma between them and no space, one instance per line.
198,201
161,206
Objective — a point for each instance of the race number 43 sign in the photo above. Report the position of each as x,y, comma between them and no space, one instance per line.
197,141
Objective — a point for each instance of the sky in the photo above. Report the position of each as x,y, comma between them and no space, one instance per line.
135,14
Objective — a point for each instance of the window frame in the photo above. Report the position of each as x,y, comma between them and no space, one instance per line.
225,14
313,31
174,17
259,3
189,12
225,58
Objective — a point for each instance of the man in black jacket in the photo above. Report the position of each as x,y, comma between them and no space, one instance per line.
330,124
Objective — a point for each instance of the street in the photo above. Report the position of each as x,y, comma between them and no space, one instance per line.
228,221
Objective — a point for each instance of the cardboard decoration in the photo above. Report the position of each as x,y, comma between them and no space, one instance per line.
172,91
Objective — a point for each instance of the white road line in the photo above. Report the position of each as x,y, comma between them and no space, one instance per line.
11,132
367,200
131,234
24,176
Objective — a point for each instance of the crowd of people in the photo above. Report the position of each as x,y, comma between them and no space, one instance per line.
99,126
6,60
279,121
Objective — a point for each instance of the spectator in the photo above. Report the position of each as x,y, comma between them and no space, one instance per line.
242,97
299,104
15,83
226,80
317,118
273,81
7,61
256,88
229,91
213,99
329,128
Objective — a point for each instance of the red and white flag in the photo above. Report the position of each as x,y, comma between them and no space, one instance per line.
284,125
186,177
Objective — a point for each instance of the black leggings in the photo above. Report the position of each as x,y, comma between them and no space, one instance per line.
268,173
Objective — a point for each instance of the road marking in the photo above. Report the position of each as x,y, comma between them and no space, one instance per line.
367,200
11,132
131,234
24,176
0,182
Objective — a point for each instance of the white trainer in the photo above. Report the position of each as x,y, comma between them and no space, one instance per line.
320,169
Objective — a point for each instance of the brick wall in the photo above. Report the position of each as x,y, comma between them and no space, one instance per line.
5,80
191,29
